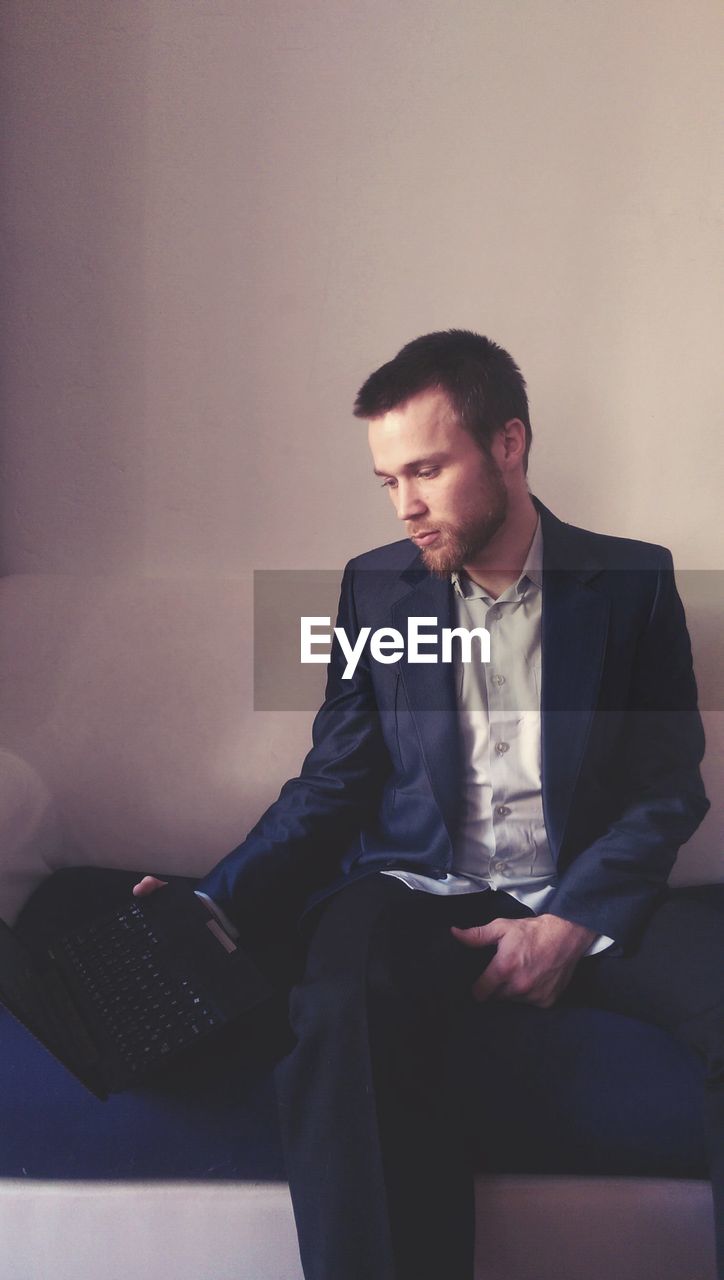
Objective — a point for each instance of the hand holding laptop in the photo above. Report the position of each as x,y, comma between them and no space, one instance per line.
149,884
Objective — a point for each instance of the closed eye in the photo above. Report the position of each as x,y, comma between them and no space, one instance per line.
427,473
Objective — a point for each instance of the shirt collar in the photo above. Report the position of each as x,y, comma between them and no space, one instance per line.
531,573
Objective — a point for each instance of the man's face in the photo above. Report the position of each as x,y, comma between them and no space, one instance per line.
451,496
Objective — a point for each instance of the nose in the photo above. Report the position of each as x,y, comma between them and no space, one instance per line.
410,505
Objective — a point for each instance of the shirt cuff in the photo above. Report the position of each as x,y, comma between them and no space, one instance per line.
601,943
218,914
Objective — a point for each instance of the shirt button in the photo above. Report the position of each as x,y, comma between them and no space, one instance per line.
498,680
501,748
502,810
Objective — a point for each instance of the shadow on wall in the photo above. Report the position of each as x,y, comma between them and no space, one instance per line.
72,95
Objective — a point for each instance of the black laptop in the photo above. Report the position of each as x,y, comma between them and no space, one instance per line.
121,996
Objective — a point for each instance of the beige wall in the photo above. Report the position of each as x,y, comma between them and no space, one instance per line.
219,217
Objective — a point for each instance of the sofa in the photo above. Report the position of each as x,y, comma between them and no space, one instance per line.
131,742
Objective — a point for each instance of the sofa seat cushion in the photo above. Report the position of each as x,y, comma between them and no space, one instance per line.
563,1090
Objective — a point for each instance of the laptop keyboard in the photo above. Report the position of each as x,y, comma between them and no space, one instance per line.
146,1008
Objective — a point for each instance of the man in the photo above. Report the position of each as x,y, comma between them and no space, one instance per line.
499,830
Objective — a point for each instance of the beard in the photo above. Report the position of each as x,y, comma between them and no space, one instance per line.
459,544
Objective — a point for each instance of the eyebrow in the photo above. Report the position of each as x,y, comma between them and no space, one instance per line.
431,460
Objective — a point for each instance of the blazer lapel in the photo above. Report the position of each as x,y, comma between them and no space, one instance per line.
573,643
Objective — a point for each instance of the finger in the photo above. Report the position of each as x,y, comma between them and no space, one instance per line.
149,884
480,935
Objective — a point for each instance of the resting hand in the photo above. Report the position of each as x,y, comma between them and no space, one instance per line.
149,884
534,960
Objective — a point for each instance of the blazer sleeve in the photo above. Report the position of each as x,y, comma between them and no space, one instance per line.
297,844
613,885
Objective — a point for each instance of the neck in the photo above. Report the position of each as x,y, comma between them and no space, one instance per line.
500,563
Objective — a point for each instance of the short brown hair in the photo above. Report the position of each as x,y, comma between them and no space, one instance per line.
484,384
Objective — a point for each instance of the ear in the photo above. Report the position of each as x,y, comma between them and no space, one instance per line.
509,445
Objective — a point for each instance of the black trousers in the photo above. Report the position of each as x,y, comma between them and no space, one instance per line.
371,1106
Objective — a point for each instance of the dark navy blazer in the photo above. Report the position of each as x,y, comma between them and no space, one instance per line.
621,744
